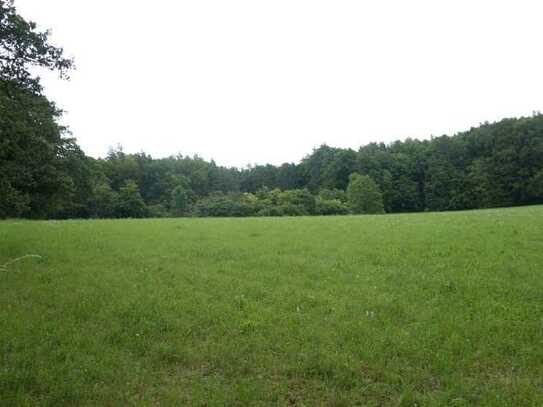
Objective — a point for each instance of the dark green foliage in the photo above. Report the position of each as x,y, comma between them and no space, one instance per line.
330,207
328,194
296,202
77,173
328,167
35,160
40,175
43,174
363,195
159,211
493,165
224,206
180,200
23,47
445,175
331,202
270,211
130,204
12,202
535,186
103,201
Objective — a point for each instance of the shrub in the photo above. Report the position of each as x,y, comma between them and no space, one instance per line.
130,204
158,211
271,211
364,195
331,207
333,194
103,201
302,199
223,206
289,209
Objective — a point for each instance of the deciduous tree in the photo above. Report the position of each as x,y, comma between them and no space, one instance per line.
364,195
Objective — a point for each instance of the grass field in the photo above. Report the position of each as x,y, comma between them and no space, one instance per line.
419,309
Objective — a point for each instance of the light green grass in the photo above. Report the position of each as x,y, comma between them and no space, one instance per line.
420,309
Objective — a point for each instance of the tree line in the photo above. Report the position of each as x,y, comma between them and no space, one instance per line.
45,174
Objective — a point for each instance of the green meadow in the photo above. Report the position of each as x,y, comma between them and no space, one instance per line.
394,310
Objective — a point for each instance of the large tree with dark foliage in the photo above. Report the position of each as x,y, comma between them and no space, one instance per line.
22,47
41,172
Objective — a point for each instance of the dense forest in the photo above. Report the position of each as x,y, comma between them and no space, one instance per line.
44,173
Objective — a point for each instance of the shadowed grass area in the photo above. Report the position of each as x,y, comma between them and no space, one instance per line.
427,309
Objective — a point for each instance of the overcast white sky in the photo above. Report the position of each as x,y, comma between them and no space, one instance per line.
267,81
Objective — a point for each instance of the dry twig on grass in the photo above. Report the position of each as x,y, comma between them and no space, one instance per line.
4,267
